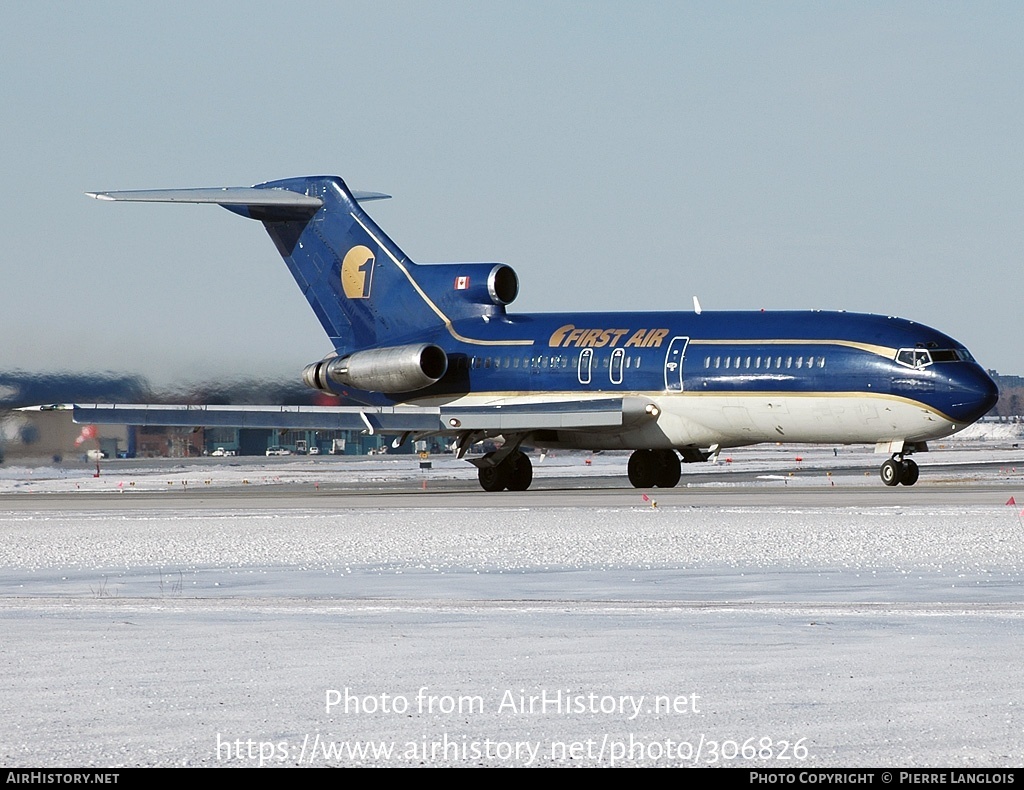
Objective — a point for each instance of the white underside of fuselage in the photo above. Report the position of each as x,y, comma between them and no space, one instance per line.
733,420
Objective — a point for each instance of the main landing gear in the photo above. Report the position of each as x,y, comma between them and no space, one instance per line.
899,470
650,468
515,473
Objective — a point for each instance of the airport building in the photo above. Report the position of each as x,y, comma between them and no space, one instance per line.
49,433
259,441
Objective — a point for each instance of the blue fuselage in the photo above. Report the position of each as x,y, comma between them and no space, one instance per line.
747,354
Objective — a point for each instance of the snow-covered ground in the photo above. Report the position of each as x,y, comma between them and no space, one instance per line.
136,632
990,432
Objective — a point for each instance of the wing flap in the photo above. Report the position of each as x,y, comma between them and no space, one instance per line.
557,415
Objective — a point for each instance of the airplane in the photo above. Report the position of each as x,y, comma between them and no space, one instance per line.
430,350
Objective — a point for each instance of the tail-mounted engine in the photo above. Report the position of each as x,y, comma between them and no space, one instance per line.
397,369
467,290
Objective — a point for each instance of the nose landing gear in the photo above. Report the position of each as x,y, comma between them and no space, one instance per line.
899,470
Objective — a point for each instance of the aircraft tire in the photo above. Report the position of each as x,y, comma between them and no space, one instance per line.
520,471
493,478
892,472
909,473
669,469
643,469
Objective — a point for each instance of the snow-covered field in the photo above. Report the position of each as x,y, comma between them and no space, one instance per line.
137,632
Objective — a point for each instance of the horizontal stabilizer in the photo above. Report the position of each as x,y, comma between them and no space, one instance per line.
228,196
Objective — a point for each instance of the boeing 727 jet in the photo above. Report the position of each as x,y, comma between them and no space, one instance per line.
432,351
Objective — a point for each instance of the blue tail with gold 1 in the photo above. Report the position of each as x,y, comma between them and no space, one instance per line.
364,289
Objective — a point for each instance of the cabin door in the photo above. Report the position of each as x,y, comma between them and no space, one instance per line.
674,364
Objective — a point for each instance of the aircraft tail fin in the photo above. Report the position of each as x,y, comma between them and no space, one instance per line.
364,290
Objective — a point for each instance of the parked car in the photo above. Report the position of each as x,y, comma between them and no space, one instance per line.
278,451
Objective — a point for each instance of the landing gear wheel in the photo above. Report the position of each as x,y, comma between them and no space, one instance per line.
910,473
669,469
493,478
892,471
643,469
520,471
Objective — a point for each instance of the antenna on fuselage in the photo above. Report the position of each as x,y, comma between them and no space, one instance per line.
696,306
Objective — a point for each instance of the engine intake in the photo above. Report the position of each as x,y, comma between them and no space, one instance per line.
397,369
502,284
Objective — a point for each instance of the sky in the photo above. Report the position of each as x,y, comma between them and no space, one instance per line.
784,155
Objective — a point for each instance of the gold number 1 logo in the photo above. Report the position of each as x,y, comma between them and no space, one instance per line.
357,272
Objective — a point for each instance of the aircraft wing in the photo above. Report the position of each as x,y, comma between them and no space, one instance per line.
519,417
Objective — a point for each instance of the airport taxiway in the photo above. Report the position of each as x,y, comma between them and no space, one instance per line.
977,478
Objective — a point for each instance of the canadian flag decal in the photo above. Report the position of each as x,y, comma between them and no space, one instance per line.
461,283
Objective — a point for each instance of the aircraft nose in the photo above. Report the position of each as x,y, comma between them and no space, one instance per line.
974,394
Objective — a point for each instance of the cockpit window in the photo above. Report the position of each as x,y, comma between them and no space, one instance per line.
945,355
921,358
914,358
